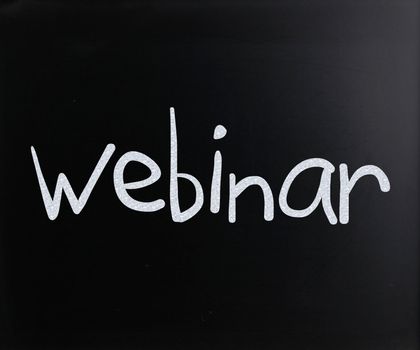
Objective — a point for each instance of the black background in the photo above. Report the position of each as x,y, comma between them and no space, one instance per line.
290,80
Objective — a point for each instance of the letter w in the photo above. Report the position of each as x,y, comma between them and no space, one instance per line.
52,205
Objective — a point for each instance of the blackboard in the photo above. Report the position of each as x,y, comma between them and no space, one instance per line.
288,81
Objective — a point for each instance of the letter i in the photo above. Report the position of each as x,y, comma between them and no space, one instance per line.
219,132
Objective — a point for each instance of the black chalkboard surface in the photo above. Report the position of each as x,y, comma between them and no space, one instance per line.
235,174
